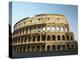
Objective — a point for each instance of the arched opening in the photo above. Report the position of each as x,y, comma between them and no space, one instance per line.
58,37
48,38
28,49
59,47
33,38
63,37
38,37
68,47
53,28
43,37
43,28
57,28
43,48
62,29
48,48
33,48
71,38
48,28
21,49
39,29
53,47
67,37
53,37
38,48
64,47
65,29
72,46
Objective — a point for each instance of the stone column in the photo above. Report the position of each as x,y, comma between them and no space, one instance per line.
50,47
56,47
46,47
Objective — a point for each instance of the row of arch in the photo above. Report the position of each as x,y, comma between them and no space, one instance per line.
40,29
43,48
30,38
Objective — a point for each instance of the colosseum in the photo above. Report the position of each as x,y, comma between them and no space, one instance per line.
43,33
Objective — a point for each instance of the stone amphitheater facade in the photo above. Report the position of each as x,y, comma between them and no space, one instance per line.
43,32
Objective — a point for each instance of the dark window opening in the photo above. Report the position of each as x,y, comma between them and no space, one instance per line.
68,47
48,18
59,47
71,38
63,37
43,48
33,48
67,37
39,19
58,37
53,47
48,38
72,46
48,48
33,38
43,37
38,38
64,47
53,37
38,48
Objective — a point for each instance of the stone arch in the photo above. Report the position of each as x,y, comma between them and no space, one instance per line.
33,48
58,37
39,29
58,47
48,48
62,28
65,29
28,48
68,46
64,47
72,46
71,38
43,48
43,28
53,37
57,28
67,37
43,37
33,38
53,47
38,37
48,37
48,28
21,39
38,48
63,37
53,28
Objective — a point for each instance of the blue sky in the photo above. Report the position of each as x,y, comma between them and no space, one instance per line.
21,10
